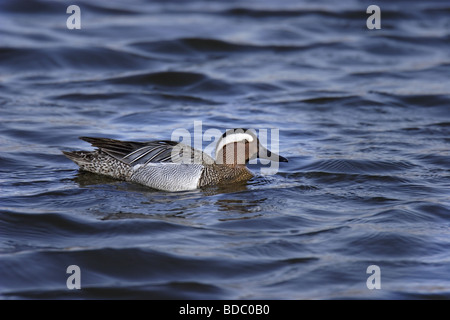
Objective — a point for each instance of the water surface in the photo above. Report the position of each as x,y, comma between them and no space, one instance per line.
363,117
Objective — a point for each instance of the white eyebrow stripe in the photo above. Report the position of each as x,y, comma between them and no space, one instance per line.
235,137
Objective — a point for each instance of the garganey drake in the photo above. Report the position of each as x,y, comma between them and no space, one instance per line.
173,166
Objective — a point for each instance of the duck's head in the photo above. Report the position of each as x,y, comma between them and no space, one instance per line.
237,146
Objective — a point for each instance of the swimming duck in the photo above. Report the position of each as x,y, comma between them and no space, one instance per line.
173,166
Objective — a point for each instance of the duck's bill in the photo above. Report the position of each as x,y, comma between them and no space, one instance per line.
264,153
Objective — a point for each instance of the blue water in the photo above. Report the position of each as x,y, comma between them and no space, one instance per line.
363,117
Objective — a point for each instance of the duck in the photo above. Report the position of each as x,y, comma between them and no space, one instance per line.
173,166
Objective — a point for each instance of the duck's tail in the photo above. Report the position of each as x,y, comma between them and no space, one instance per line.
81,158
101,163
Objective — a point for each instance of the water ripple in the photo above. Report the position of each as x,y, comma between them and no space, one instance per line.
362,115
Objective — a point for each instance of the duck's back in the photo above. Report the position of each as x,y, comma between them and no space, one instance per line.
164,165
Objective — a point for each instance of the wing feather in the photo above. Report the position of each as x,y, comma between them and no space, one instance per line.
134,153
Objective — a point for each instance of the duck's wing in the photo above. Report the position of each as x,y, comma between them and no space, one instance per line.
134,153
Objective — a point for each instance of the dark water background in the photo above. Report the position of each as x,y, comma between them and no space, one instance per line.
364,118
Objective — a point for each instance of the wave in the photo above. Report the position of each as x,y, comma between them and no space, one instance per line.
357,166
61,57
196,48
